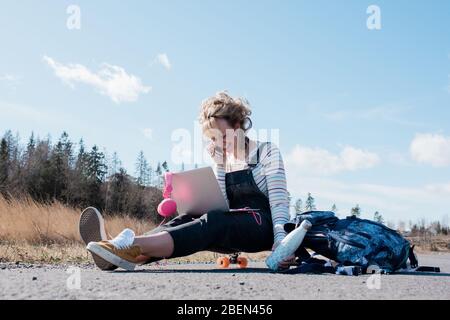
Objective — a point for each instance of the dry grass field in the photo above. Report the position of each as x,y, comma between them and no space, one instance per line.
48,233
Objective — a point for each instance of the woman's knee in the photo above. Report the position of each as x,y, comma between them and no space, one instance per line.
216,219
215,225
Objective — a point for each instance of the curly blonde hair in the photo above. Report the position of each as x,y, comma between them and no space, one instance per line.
223,106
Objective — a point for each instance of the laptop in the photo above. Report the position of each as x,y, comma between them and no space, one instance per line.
197,191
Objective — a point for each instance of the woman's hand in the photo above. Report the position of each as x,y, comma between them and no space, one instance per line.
216,153
211,148
286,263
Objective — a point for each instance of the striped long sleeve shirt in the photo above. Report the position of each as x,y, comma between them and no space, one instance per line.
270,178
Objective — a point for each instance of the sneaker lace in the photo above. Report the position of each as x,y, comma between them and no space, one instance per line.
121,246
123,241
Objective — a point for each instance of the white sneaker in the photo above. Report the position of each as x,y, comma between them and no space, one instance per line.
123,240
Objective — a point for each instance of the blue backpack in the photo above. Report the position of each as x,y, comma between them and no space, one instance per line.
353,241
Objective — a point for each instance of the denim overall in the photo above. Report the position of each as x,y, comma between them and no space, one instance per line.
226,232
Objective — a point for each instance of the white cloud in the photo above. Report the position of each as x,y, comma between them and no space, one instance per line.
323,162
430,202
431,149
306,170
110,80
148,133
163,59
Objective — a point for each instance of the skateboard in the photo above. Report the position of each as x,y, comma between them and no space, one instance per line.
224,262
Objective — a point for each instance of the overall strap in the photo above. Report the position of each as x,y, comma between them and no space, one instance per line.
259,147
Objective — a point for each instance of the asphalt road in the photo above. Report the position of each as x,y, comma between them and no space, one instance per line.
204,281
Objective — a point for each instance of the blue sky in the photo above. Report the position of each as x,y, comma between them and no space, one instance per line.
363,115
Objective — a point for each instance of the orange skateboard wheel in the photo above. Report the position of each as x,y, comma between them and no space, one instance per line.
223,262
242,262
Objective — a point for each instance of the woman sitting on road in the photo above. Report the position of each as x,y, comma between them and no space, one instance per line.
250,174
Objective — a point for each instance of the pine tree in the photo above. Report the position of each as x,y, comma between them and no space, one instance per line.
377,217
289,196
14,168
11,143
158,169
141,170
4,164
58,171
79,178
119,191
356,211
298,206
47,171
67,146
149,175
334,208
82,160
158,172
96,165
40,181
115,164
96,172
310,203
31,147
62,162
165,166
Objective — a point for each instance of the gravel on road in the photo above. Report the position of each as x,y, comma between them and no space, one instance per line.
205,281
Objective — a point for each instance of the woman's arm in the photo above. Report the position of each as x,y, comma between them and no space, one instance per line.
218,168
273,169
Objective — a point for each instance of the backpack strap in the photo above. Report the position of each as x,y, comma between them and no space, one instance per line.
316,268
413,261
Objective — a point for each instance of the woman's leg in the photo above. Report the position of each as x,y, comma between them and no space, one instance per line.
182,239
177,221
216,229
156,245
